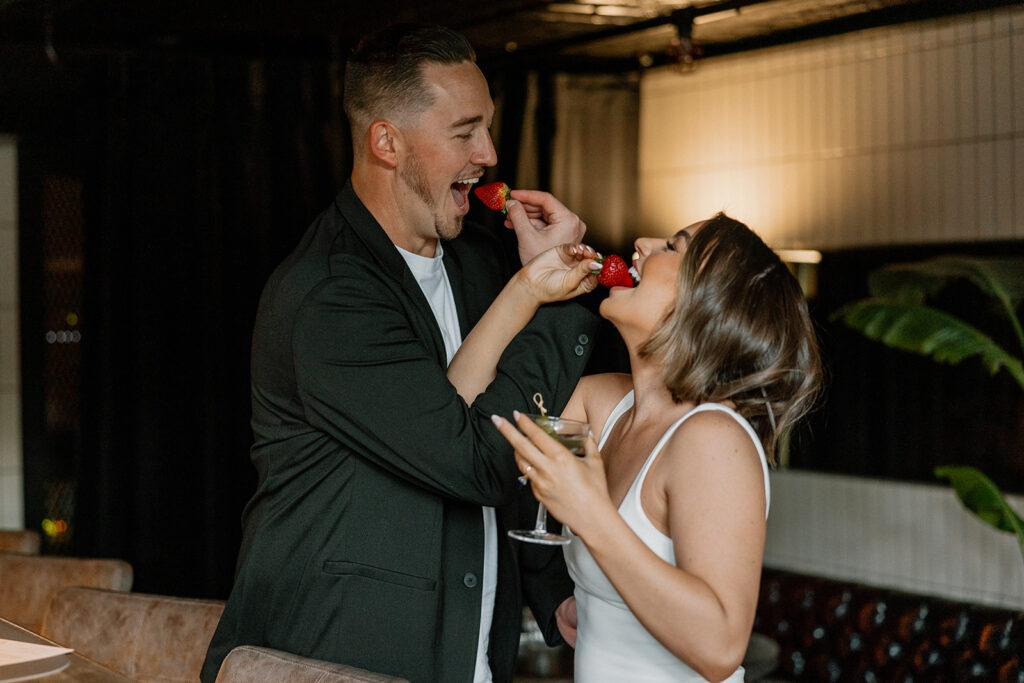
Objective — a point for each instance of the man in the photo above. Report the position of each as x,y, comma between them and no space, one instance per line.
376,536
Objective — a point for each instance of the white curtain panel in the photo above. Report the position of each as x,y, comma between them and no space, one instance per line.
595,156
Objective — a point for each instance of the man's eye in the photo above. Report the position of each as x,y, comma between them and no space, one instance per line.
464,136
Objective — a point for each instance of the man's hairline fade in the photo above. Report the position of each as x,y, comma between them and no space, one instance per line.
384,76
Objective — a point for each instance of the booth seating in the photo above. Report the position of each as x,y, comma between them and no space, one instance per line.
19,541
248,663
28,583
831,630
144,637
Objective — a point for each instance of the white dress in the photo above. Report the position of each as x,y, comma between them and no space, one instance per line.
611,644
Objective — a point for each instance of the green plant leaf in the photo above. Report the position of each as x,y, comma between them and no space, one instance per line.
1000,278
982,497
927,331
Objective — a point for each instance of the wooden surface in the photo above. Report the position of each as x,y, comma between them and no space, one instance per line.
80,669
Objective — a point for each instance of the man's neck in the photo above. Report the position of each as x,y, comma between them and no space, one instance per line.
382,199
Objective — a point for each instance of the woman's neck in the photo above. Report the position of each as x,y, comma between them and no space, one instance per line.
651,398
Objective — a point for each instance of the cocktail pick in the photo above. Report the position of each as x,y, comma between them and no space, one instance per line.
538,401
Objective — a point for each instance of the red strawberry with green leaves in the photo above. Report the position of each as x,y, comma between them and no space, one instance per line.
493,195
614,272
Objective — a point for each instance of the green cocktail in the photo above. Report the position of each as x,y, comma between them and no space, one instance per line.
572,434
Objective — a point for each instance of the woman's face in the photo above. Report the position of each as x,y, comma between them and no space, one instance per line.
656,263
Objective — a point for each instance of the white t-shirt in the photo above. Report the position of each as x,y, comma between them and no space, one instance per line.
433,280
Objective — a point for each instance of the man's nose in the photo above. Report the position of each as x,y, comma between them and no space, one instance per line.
485,154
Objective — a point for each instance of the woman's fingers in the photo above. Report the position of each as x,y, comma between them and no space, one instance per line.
526,453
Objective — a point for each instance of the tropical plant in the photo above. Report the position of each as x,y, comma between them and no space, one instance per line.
897,313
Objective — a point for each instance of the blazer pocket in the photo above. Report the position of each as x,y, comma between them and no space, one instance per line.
344,568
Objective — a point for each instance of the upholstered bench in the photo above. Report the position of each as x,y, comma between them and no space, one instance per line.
830,630
29,582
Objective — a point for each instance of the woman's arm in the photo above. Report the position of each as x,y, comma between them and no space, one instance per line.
554,275
595,397
710,482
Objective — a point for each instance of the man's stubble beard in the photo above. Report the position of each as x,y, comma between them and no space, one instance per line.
413,176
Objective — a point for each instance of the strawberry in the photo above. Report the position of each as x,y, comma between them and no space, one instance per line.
493,195
614,272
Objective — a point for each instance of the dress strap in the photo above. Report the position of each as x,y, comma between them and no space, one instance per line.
703,407
624,404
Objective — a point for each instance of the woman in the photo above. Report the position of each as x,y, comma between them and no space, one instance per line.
669,507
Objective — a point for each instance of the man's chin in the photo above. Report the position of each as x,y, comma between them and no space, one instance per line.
450,229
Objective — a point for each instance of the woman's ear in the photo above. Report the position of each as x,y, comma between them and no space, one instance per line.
382,142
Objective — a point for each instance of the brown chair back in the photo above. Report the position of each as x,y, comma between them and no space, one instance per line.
19,541
28,583
251,664
143,637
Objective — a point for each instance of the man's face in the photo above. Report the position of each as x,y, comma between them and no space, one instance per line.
447,148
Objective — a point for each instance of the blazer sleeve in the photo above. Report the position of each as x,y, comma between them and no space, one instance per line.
368,378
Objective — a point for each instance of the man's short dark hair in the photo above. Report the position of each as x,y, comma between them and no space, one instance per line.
384,75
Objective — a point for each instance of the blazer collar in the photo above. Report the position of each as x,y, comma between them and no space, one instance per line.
384,252
371,233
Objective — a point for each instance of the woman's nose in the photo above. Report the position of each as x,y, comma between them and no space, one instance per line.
645,246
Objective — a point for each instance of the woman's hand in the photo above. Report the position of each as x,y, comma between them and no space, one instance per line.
572,488
560,273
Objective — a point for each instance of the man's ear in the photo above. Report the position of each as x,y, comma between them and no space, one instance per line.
383,136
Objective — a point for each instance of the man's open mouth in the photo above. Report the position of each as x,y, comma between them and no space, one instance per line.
460,191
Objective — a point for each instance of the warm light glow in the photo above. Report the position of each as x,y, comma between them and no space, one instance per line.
715,16
613,11
799,255
570,9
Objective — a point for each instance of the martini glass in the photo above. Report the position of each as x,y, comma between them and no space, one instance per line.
571,434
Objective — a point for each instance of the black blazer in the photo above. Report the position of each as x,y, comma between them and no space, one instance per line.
363,543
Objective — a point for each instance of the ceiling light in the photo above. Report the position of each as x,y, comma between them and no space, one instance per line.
620,11
570,9
715,16
799,255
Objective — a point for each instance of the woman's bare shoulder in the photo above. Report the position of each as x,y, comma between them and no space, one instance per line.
712,441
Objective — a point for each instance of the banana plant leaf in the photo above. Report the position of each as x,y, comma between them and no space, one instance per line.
1000,278
979,495
927,331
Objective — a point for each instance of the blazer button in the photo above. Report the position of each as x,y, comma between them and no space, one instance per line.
579,350
469,579
584,339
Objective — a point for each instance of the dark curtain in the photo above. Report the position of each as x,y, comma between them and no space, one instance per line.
211,169
199,173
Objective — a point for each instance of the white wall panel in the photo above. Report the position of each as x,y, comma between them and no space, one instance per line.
901,134
913,537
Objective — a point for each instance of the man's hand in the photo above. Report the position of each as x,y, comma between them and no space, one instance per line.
541,222
565,617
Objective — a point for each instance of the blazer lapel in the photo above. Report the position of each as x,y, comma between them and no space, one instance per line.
383,251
